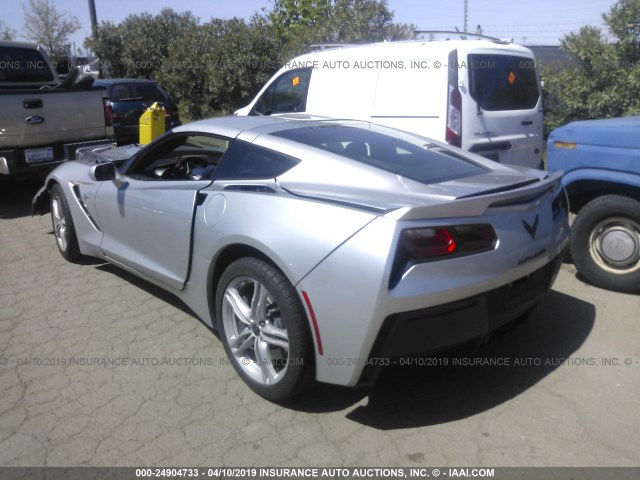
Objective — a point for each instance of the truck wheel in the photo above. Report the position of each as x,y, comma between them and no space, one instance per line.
605,243
63,229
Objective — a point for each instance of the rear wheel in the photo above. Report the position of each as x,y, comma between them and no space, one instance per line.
63,228
264,329
605,243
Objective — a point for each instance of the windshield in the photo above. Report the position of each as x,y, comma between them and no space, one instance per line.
417,160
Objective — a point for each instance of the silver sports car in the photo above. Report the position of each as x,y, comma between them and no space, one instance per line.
319,249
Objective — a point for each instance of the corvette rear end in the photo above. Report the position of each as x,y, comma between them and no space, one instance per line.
420,284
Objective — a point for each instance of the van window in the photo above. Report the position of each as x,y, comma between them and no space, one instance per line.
288,93
503,82
418,160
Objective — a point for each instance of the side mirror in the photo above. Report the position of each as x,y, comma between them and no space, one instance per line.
104,172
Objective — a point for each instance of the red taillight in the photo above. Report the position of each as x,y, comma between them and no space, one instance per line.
433,242
428,242
108,113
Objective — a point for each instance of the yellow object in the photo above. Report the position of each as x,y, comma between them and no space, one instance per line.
152,123
564,144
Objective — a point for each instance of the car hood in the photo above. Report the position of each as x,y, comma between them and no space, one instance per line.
619,132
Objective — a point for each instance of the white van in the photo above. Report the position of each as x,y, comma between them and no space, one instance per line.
478,94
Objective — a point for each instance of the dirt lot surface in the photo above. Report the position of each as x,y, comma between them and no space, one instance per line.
98,368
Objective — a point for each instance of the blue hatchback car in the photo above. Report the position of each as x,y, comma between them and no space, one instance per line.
130,97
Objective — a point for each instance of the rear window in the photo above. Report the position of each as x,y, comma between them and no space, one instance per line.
23,65
503,82
420,160
121,92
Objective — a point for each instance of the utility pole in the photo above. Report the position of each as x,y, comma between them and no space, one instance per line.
103,68
466,14
94,19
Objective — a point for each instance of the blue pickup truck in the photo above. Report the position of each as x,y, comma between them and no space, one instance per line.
601,161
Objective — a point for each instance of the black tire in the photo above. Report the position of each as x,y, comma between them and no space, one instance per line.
63,228
257,305
605,243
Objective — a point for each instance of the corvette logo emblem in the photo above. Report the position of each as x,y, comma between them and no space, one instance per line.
531,229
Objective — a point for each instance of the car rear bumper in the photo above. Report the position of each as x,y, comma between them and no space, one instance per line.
474,319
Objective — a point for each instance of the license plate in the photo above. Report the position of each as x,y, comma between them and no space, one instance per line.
36,155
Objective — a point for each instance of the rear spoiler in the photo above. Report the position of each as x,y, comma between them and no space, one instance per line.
525,198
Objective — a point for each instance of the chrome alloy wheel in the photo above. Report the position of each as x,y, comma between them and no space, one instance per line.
59,223
615,245
255,331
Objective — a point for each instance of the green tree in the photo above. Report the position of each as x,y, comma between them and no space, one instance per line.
219,66
45,25
604,79
292,19
108,46
147,40
139,46
624,23
300,23
364,21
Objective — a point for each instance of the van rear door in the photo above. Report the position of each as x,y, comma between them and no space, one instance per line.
502,107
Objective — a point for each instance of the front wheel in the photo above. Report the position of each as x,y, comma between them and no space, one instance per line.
264,329
605,243
63,228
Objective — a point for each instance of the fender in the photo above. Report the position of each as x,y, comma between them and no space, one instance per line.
595,174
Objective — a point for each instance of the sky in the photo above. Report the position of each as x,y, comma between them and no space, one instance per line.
528,22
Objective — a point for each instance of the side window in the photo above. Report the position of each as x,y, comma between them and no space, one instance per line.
288,93
245,161
180,157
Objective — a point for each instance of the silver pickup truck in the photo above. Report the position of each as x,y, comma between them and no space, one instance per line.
44,121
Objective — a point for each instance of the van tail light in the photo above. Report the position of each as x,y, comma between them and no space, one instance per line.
453,132
108,113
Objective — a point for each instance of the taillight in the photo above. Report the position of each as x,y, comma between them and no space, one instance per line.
419,245
435,242
428,242
453,134
108,113
453,131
